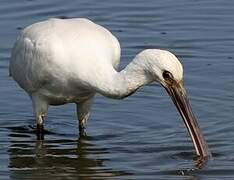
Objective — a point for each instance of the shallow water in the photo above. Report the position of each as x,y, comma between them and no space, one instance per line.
141,137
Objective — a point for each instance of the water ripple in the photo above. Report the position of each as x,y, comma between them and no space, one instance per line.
141,137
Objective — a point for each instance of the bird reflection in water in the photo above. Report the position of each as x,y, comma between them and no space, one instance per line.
56,159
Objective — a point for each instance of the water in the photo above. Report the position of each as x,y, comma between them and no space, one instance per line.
141,137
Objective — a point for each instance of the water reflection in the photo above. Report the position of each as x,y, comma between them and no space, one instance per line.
56,159
198,162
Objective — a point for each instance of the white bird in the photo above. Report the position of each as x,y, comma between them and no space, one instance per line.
68,61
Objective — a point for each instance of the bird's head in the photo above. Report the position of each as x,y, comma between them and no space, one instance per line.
167,70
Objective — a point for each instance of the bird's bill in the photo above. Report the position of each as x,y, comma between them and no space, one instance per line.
180,99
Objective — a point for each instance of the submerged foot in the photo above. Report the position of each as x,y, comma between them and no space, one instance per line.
40,132
82,131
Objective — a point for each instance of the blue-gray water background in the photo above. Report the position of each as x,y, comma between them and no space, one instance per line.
141,137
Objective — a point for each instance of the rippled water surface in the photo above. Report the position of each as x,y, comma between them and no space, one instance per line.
141,137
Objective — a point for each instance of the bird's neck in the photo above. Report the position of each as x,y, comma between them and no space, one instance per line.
124,83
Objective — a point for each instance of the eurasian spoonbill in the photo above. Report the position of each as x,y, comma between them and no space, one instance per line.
68,61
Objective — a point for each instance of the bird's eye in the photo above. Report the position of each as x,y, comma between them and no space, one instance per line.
167,75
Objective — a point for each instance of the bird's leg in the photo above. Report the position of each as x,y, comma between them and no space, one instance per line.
83,113
83,121
40,107
40,128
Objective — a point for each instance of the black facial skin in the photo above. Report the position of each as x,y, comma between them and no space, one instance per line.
167,75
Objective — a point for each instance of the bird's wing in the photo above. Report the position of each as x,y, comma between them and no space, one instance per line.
63,49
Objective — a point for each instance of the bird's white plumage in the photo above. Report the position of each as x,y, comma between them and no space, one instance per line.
60,61
55,55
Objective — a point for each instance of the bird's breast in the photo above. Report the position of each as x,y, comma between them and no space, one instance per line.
64,96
